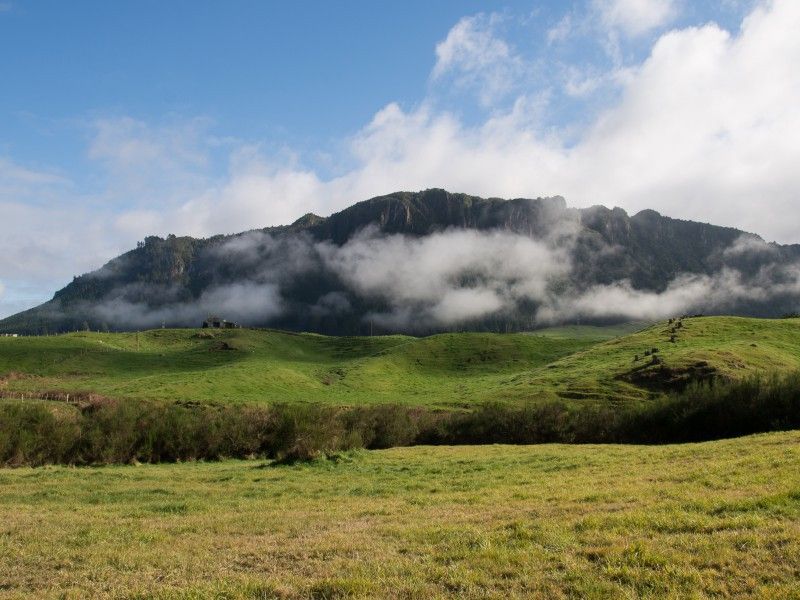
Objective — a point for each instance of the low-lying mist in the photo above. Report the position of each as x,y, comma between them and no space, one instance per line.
450,279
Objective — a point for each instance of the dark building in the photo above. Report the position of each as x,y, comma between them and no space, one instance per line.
213,322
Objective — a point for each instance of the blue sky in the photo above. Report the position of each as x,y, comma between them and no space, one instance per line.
262,70
298,73
122,119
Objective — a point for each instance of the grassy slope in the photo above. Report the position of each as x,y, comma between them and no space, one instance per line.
731,347
719,519
596,333
445,370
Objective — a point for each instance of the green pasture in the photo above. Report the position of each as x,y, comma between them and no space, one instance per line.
456,370
712,520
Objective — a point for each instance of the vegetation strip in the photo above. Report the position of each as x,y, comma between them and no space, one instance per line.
100,430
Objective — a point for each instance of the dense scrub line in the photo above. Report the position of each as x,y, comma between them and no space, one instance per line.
98,430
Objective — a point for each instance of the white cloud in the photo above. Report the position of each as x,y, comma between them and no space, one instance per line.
470,45
685,293
749,246
636,17
125,143
561,30
425,277
255,195
151,162
42,247
704,129
476,57
42,234
248,302
20,183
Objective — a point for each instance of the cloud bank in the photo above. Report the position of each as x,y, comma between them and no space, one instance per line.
446,280
245,301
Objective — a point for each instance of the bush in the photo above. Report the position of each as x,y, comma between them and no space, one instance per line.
385,426
37,433
304,432
705,411
100,431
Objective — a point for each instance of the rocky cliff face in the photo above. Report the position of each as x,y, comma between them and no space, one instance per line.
495,264
430,211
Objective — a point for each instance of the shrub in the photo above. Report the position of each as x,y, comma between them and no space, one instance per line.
37,433
100,430
385,426
304,432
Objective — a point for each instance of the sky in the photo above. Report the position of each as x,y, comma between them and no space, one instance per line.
126,119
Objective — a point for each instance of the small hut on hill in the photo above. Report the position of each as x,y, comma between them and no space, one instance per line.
214,322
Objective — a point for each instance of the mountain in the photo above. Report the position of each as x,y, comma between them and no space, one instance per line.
433,261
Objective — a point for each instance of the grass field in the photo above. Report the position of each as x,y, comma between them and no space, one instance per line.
448,370
271,366
713,520
727,347
595,333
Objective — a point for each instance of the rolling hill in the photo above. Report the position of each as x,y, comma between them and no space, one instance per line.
688,350
456,370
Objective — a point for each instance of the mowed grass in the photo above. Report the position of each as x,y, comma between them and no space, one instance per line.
459,370
713,520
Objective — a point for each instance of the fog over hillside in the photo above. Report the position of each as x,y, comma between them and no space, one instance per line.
688,108
431,261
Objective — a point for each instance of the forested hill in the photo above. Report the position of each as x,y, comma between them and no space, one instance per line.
433,261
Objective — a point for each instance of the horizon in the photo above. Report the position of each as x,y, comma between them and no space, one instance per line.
230,120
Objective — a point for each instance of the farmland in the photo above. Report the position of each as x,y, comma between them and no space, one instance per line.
718,519
702,520
456,370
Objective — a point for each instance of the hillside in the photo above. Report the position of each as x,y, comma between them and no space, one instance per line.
713,520
700,349
273,366
430,262
444,370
